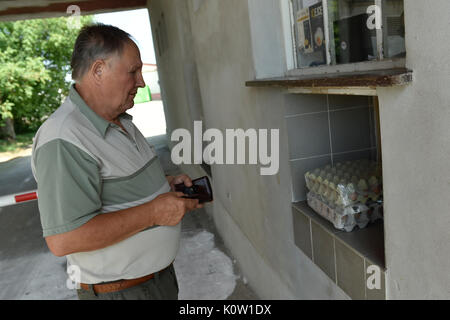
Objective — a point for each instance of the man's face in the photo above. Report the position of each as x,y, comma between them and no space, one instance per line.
122,80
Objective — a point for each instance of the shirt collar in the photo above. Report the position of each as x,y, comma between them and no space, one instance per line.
98,122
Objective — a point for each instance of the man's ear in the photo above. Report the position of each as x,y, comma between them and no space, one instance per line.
97,70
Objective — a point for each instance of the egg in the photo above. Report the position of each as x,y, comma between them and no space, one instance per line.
362,185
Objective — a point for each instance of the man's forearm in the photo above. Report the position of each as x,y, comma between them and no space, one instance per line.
106,229
101,231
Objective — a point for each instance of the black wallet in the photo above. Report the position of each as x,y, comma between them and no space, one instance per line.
200,189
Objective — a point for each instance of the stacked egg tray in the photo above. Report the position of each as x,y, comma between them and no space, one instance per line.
348,194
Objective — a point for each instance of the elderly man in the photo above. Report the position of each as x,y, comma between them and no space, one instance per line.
104,200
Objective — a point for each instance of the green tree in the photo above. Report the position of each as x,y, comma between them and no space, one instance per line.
34,63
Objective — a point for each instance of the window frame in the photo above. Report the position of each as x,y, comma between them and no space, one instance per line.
292,67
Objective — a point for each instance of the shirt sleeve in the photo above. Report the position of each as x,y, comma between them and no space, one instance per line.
69,186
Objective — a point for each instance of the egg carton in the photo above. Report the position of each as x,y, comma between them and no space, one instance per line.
348,194
346,183
341,219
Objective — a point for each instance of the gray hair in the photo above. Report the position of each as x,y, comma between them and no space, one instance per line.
96,41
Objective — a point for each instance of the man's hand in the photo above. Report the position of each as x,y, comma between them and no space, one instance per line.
169,208
183,178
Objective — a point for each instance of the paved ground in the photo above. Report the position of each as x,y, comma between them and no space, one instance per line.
29,271
6,156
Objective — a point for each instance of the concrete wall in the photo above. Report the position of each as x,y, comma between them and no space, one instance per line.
214,46
416,151
252,212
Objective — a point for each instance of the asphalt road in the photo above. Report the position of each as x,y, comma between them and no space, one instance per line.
27,268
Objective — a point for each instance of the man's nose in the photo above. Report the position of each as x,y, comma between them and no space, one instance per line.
140,81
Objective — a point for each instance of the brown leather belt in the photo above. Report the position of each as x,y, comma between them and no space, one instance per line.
119,284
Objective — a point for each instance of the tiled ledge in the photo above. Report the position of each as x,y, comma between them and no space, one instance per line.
342,256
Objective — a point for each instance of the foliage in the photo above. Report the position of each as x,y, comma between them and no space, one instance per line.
22,142
34,63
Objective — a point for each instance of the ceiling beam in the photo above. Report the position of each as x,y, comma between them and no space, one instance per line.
58,9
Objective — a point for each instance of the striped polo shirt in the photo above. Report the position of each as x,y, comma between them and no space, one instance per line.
85,166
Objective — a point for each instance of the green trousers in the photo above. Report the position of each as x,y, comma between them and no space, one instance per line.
163,286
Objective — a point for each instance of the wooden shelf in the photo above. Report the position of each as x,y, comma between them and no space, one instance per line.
359,83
